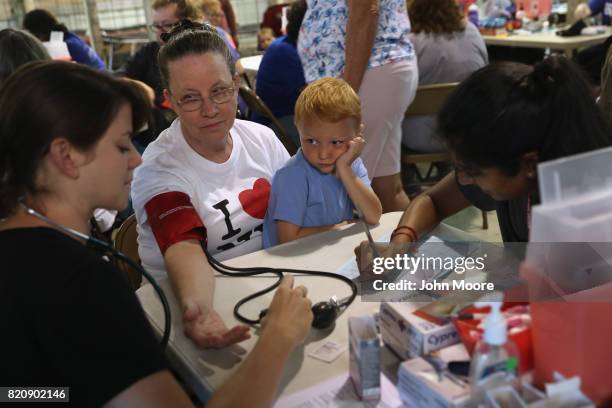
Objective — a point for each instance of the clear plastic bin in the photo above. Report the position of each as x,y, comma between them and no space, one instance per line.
570,279
576,199
575,176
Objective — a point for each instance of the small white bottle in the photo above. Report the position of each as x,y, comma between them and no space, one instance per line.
473,15
495,359
521,15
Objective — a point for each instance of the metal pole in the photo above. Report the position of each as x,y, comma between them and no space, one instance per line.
18,10
148,17
93,23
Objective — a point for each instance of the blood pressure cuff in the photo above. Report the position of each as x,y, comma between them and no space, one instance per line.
173,219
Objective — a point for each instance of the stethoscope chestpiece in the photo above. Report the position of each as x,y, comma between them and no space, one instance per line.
325,314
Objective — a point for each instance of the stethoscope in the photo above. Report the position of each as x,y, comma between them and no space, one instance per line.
325,312
105,247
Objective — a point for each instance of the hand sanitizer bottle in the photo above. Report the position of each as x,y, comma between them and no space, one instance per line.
495,358
473,15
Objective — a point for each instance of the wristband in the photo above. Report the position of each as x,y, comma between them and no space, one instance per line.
411,233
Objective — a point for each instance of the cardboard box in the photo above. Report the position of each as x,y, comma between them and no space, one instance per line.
409,335
364,350
420,385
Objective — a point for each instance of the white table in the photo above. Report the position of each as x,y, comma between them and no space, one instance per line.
547,40
251,66
206,370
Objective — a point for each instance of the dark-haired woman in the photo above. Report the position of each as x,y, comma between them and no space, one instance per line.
448,48
18,48
205,180
71,319
498,125
41,23
54,293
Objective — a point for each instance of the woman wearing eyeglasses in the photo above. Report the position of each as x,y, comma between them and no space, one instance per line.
204,182
71,320
143,65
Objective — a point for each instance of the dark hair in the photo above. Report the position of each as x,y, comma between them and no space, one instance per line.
295,15
41,22
504,111
18,48
46,99
189,38
435,16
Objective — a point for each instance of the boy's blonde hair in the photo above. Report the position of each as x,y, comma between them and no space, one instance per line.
330,100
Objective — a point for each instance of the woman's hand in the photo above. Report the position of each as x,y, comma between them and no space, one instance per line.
207,330
289,316
582,11
365,258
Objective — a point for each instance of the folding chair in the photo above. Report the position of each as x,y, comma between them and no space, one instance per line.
256,105
126,241
429,101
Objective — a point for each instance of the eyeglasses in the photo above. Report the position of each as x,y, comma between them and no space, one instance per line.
218,96
163,28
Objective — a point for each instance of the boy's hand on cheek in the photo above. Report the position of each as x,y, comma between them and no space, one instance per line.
355,147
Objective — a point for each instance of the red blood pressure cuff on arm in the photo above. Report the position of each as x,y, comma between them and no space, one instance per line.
174,219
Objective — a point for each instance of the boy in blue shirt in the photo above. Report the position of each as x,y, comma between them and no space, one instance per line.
320,186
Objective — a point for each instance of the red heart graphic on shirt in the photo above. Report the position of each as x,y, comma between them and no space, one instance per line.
255,201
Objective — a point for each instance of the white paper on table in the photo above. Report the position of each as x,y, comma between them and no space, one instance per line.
339,392
349,268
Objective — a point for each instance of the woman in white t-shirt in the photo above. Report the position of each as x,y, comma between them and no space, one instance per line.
205,181
448,49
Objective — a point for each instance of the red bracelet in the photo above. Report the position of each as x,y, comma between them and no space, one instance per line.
410,237
398,231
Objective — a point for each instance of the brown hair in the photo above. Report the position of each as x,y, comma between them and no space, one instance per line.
189,38
185,9
435,16
330,100
43,100
17,48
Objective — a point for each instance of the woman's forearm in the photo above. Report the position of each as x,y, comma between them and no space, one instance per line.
360,33
431,207
190,274
255,383
421,215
